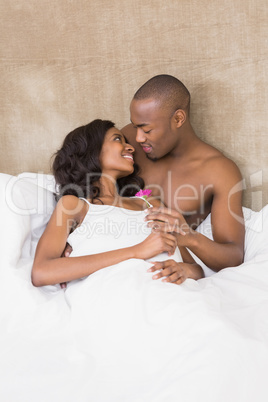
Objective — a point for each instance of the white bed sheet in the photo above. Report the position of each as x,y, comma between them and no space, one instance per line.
118,335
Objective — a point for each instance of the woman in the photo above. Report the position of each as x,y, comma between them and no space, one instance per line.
96,173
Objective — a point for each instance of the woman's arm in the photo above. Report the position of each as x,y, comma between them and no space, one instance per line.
49,268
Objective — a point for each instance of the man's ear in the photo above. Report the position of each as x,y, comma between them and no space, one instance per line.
180,117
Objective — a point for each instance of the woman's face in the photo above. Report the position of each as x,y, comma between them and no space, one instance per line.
116,157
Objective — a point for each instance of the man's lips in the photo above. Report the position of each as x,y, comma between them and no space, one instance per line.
147,148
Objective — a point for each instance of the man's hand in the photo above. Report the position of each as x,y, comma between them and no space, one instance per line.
170,221
66,253
172,271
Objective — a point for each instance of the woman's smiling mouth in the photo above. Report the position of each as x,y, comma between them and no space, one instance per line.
128,156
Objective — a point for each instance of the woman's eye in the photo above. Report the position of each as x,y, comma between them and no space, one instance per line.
147,132
118,138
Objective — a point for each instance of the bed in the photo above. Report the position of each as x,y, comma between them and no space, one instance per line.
110,340
64,64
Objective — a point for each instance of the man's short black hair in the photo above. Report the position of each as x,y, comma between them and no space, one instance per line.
171,93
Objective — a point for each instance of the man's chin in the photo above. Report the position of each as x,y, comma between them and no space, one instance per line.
151,158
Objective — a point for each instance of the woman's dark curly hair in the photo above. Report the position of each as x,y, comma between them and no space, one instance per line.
76,166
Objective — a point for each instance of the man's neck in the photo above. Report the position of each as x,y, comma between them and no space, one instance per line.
187,143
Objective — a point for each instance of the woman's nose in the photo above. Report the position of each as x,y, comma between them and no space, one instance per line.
130,148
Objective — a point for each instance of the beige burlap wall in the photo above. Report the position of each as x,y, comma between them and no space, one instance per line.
66,62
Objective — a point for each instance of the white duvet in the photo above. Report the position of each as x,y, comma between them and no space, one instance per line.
120,336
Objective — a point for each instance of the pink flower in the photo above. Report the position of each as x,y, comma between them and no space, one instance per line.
143,193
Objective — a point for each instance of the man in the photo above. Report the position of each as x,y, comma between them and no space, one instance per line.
191,177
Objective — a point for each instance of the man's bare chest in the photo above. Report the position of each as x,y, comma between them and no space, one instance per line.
187,191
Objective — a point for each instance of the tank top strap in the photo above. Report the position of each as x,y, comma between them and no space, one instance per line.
84,199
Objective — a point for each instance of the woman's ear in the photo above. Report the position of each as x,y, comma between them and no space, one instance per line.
180,117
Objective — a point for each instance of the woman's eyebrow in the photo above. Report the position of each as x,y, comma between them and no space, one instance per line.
119,135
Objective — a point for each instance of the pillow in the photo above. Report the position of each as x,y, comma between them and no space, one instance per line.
39,195
14,226
256,245
256,234
26,204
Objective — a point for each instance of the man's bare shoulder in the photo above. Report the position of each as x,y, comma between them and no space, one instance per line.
213,158
221,169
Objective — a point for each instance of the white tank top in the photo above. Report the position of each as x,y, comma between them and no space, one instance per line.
107,227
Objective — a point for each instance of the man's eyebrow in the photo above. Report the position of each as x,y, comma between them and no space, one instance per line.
139,125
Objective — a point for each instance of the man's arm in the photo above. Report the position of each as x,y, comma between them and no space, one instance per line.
227,221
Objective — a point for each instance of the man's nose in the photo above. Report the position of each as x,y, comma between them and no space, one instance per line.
140,136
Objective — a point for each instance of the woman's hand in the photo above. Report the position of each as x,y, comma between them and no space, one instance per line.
175,272
154,244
